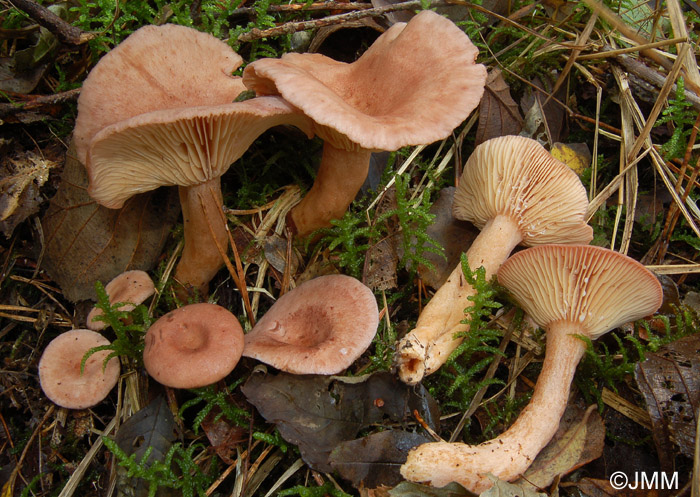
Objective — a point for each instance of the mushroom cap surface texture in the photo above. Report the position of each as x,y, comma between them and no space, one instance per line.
193,346
183,147
132,287
156,67
411,87
320,327
597,288
59,370
516,177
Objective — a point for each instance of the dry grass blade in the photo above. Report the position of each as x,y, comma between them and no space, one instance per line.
620,26
476,401
16,471
674,268
238,276
296,466
613,52
678,23
627,194
672,216
626,408
74,480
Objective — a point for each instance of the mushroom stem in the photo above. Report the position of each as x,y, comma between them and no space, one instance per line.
205,233
510,454
423,350
340,176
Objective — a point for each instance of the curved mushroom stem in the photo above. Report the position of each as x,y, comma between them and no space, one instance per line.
510,454
427,347
204,229
340,176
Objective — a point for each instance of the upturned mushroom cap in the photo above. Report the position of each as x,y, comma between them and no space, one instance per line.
132,287
183,147
320,327
156,67
59,370
193,346
597,288
516,177
406,89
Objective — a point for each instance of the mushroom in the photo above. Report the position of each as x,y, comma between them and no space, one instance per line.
571,291
406,89
516,192
192,148
320,327
155,68
193,346
131,288
168,119
59,370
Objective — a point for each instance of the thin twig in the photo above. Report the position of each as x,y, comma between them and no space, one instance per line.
37,102
65,32
295,7
293,27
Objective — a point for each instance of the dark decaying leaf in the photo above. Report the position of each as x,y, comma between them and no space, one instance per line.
223,436
670,383
85,242
498,112
316,413
453,235
153,426
375,460
579,440
410,489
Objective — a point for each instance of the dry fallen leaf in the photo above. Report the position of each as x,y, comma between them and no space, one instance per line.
575,155
21,179
579,440
498,113
85,242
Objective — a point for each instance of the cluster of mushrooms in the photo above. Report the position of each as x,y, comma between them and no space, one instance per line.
517,193
162,109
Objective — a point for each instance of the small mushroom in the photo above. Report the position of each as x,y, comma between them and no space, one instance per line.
320,327
59,370
131,287
571,291
193,346
406,89
516,192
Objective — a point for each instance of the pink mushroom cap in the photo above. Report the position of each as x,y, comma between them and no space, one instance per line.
193,346
320,327
60,375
